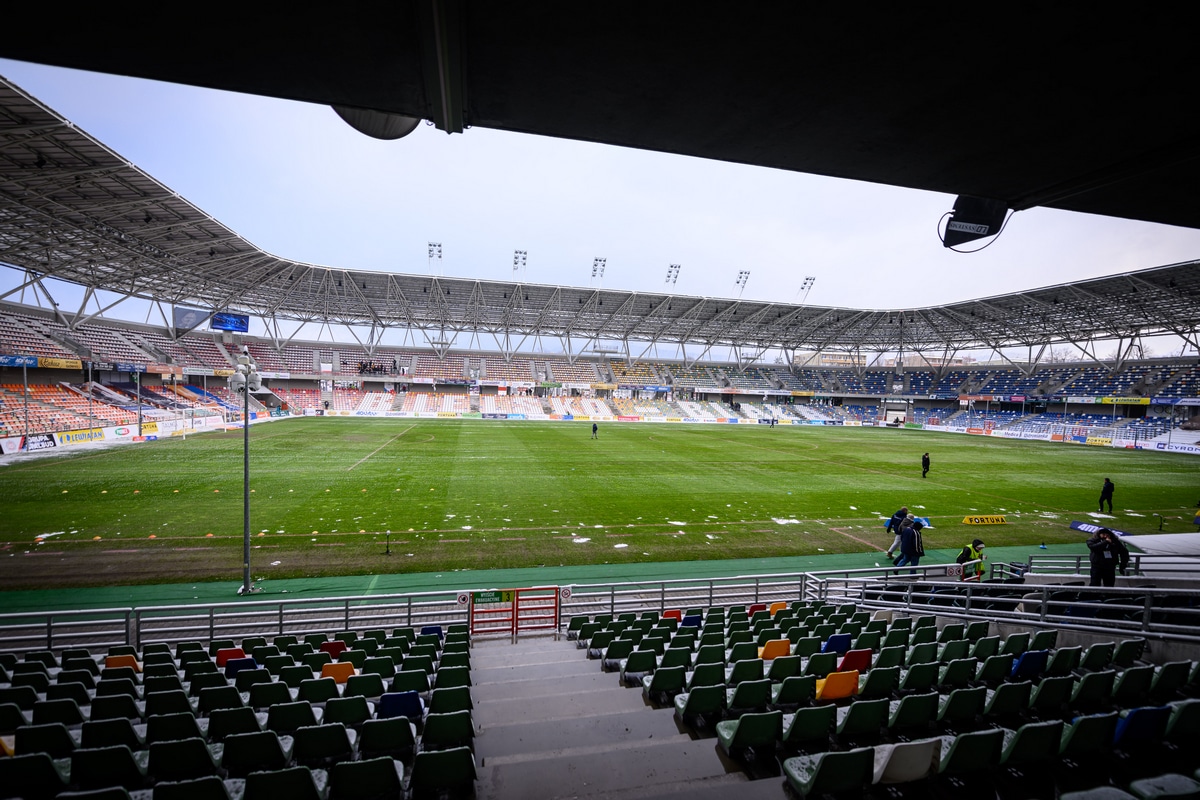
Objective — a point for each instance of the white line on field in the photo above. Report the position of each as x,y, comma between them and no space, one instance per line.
377,449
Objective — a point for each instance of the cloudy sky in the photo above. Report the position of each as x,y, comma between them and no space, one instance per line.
298,182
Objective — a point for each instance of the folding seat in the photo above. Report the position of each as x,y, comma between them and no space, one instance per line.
1163,786
447,660
738,626
793,692
959,710
102,767
751,733
766,634
784,667
926,635
861,721
837,686
395,737
369,685
333,649
439,773
867,640
442,701
1064,661
38,680
401,704
1029,665
821,664
664,684
775,648
108,686
890,657
410,637
218,697
676,657
284,642
748,697
89,681
196,669
1050,696
1127,652
227,722
823,631
709,654
34,776
741,651
245,678
639,664
1007,702
175,701
23,697
776,607
951,632
1031,743
432,630
445,731
151,658
69,691
1093,692
338,672
1132,686
985,647
416,680
919,678
317,690
901,624
1044,639
1096,657
160,670
879,626
957,673
188,647
913,714
264,651
294,783
879,682
251,642
349,637
264,695
316,661
856,660
975,753
51,738
806,646
906,762
224,654
701,705
673,613
396,654
275,664
706,675
1088,735
1141,728
250,752
162,683
125,660
809,729
172,727
109,732
64,711
953,650
995,669
298,650
295,675
322,745
925,621
180,760
925,653
977,630
1184,726
353,657
1168,680
750,669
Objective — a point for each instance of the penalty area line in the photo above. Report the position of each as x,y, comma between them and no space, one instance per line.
377,449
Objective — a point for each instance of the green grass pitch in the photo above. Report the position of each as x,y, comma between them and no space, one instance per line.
478,494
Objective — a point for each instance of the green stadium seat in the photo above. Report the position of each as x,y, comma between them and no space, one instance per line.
323,745
843,773
756,732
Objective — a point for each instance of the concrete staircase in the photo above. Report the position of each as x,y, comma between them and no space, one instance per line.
551,724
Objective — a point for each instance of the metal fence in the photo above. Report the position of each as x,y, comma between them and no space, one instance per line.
1165,613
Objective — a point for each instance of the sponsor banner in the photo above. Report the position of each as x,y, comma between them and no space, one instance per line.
916,425
1163,401
1017,398
397,414
1083,400
802,394
163,369
1099,441
986,519
279,412
1091,527
60,363
281,375
852,423
621,418
11,444
764,421
495,416
202,371
732,421
675,419
550,385
1188,401
537,416
1125,401
1078,439
122,366
40,441
470,415
368,413
513,416
446,414
18,361
692,420
602,386
977,431
78,437
1177,448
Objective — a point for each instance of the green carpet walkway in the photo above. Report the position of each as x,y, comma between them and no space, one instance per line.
403,583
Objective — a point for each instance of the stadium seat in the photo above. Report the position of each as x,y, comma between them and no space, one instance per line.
1032,743
666,682
317,690
837,686
102,767
180,760
293,783
284,718
322,745
51,738
401,704
1029,665
1088,735
775,648
831,773
906,762
334,648
445,731
972,753
34,776
750,732
748,697
913,714
1093,692
879,682
1141,728
1009,701
109,732
860,722
395,737
224,654
339,671
443,701
170,727
251,752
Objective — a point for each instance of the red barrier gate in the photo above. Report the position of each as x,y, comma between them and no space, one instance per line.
514,611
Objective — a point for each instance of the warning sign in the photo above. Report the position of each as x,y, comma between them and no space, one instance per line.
990,519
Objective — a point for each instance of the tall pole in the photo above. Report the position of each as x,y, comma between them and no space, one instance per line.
91,419
25,382
138,380
246,589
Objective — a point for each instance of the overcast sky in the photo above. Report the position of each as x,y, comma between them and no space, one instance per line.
297,181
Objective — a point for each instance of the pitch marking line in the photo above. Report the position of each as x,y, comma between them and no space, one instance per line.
843,532
377,449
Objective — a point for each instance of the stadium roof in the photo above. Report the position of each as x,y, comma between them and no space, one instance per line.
1042,105
72,209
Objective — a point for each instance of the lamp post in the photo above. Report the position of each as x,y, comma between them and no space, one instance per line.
245,380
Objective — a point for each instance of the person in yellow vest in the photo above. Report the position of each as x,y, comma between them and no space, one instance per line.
972,552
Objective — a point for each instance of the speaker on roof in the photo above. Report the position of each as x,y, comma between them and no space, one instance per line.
974,218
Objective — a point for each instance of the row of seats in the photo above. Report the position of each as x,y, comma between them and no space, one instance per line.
218,716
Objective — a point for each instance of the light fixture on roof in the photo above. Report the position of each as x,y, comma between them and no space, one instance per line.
673,274
435,254
598,265
806,287
743,277
520,261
